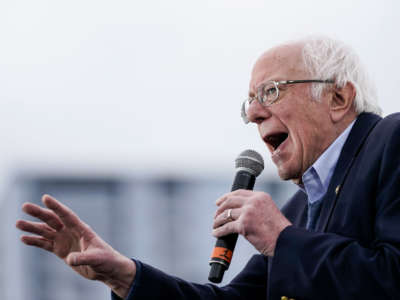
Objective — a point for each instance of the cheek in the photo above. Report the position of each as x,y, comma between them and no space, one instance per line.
297,152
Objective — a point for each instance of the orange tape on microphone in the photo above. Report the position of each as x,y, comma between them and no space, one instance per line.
222,253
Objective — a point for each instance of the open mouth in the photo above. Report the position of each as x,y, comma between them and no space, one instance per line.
276,139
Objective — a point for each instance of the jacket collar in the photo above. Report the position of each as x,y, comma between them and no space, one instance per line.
363,126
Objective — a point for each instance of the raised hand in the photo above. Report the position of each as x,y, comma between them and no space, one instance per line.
64,234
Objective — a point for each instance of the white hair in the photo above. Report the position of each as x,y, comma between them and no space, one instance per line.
326,58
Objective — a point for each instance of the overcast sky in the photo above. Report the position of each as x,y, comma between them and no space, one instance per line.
158,84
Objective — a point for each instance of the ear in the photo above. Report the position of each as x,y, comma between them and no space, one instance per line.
341,102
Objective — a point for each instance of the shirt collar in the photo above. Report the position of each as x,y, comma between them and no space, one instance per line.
317,177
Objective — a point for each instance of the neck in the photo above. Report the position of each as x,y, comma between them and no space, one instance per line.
338,129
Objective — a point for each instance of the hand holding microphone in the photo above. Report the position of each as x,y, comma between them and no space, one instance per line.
249,165
251,214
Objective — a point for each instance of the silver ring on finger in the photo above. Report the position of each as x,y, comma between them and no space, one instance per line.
230,218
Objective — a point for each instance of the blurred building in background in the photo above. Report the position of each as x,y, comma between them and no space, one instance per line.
163,221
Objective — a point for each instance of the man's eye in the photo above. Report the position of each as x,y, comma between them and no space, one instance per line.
270,91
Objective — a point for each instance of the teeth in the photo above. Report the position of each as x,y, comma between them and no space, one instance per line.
276,152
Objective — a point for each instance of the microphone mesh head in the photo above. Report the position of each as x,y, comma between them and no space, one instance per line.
250,161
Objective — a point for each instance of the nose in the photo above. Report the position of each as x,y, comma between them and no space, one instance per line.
257,113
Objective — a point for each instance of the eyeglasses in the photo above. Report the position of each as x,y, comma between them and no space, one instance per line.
268,93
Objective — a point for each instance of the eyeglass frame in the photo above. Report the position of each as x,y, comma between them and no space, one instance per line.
276,85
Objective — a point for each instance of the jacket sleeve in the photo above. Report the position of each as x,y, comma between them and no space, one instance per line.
333,265
151,283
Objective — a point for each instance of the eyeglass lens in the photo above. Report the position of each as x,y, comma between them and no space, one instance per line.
267,93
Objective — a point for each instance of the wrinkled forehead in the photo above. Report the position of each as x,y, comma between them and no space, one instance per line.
284,62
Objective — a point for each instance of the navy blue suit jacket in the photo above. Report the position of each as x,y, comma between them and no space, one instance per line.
355,251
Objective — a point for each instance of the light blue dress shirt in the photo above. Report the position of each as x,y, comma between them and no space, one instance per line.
317,177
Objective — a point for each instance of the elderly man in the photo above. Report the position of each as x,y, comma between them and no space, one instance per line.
336,238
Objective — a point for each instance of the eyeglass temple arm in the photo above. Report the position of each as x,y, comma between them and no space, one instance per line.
306,80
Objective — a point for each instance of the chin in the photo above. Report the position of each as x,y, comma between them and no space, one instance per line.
286,174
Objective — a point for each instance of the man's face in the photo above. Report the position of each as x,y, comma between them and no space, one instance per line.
296,129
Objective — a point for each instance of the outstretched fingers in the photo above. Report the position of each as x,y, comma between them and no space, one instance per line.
39,242
41,229
67,216
46,215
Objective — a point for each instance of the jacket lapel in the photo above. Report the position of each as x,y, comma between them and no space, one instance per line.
358,134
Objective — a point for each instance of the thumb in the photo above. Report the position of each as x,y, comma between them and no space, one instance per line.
76,259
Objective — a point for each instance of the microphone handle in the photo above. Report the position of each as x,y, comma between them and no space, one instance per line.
223,250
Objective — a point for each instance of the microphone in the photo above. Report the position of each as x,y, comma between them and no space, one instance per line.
249,164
